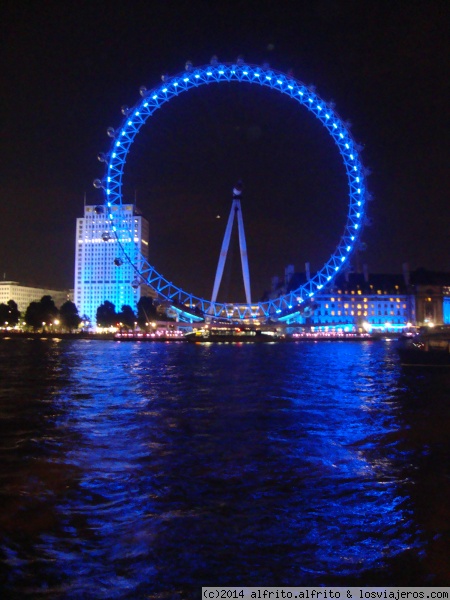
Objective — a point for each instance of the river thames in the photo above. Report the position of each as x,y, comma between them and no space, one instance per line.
148,470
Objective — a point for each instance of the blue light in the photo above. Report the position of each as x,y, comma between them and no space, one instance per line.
205,75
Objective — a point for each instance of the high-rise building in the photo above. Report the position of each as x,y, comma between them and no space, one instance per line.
105,265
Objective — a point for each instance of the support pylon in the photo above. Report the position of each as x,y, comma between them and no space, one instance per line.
235,211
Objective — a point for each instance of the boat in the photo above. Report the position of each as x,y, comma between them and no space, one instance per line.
429,348
232,334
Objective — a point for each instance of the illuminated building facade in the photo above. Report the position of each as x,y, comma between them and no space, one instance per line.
377,302
23,295
105,268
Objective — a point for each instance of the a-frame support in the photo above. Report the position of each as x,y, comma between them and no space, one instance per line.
235,211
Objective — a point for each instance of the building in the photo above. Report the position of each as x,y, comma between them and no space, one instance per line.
23,295
105,266
374,302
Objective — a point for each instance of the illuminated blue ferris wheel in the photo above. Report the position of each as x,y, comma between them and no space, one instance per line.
186,304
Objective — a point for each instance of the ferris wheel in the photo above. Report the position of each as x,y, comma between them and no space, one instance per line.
188,305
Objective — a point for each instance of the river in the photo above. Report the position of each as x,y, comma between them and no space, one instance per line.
150,469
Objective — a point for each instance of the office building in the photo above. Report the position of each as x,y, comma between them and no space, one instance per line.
105,265
23,295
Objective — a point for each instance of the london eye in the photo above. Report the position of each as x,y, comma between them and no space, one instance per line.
189,306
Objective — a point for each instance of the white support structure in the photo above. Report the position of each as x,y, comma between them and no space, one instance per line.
235,211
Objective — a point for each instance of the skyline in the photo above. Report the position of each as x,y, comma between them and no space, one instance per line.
69,71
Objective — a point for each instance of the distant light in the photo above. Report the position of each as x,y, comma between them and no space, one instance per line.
279,81
268,78
165,90
154,97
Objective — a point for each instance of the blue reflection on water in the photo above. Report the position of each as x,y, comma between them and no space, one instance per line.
158,468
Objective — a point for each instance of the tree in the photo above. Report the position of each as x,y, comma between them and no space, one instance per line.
9,314
42,313
32,316
68,313
126,316
146,311
106,314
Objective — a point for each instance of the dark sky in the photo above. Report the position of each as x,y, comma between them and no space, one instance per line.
68,67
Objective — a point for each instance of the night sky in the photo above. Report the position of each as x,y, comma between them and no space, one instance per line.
68,67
